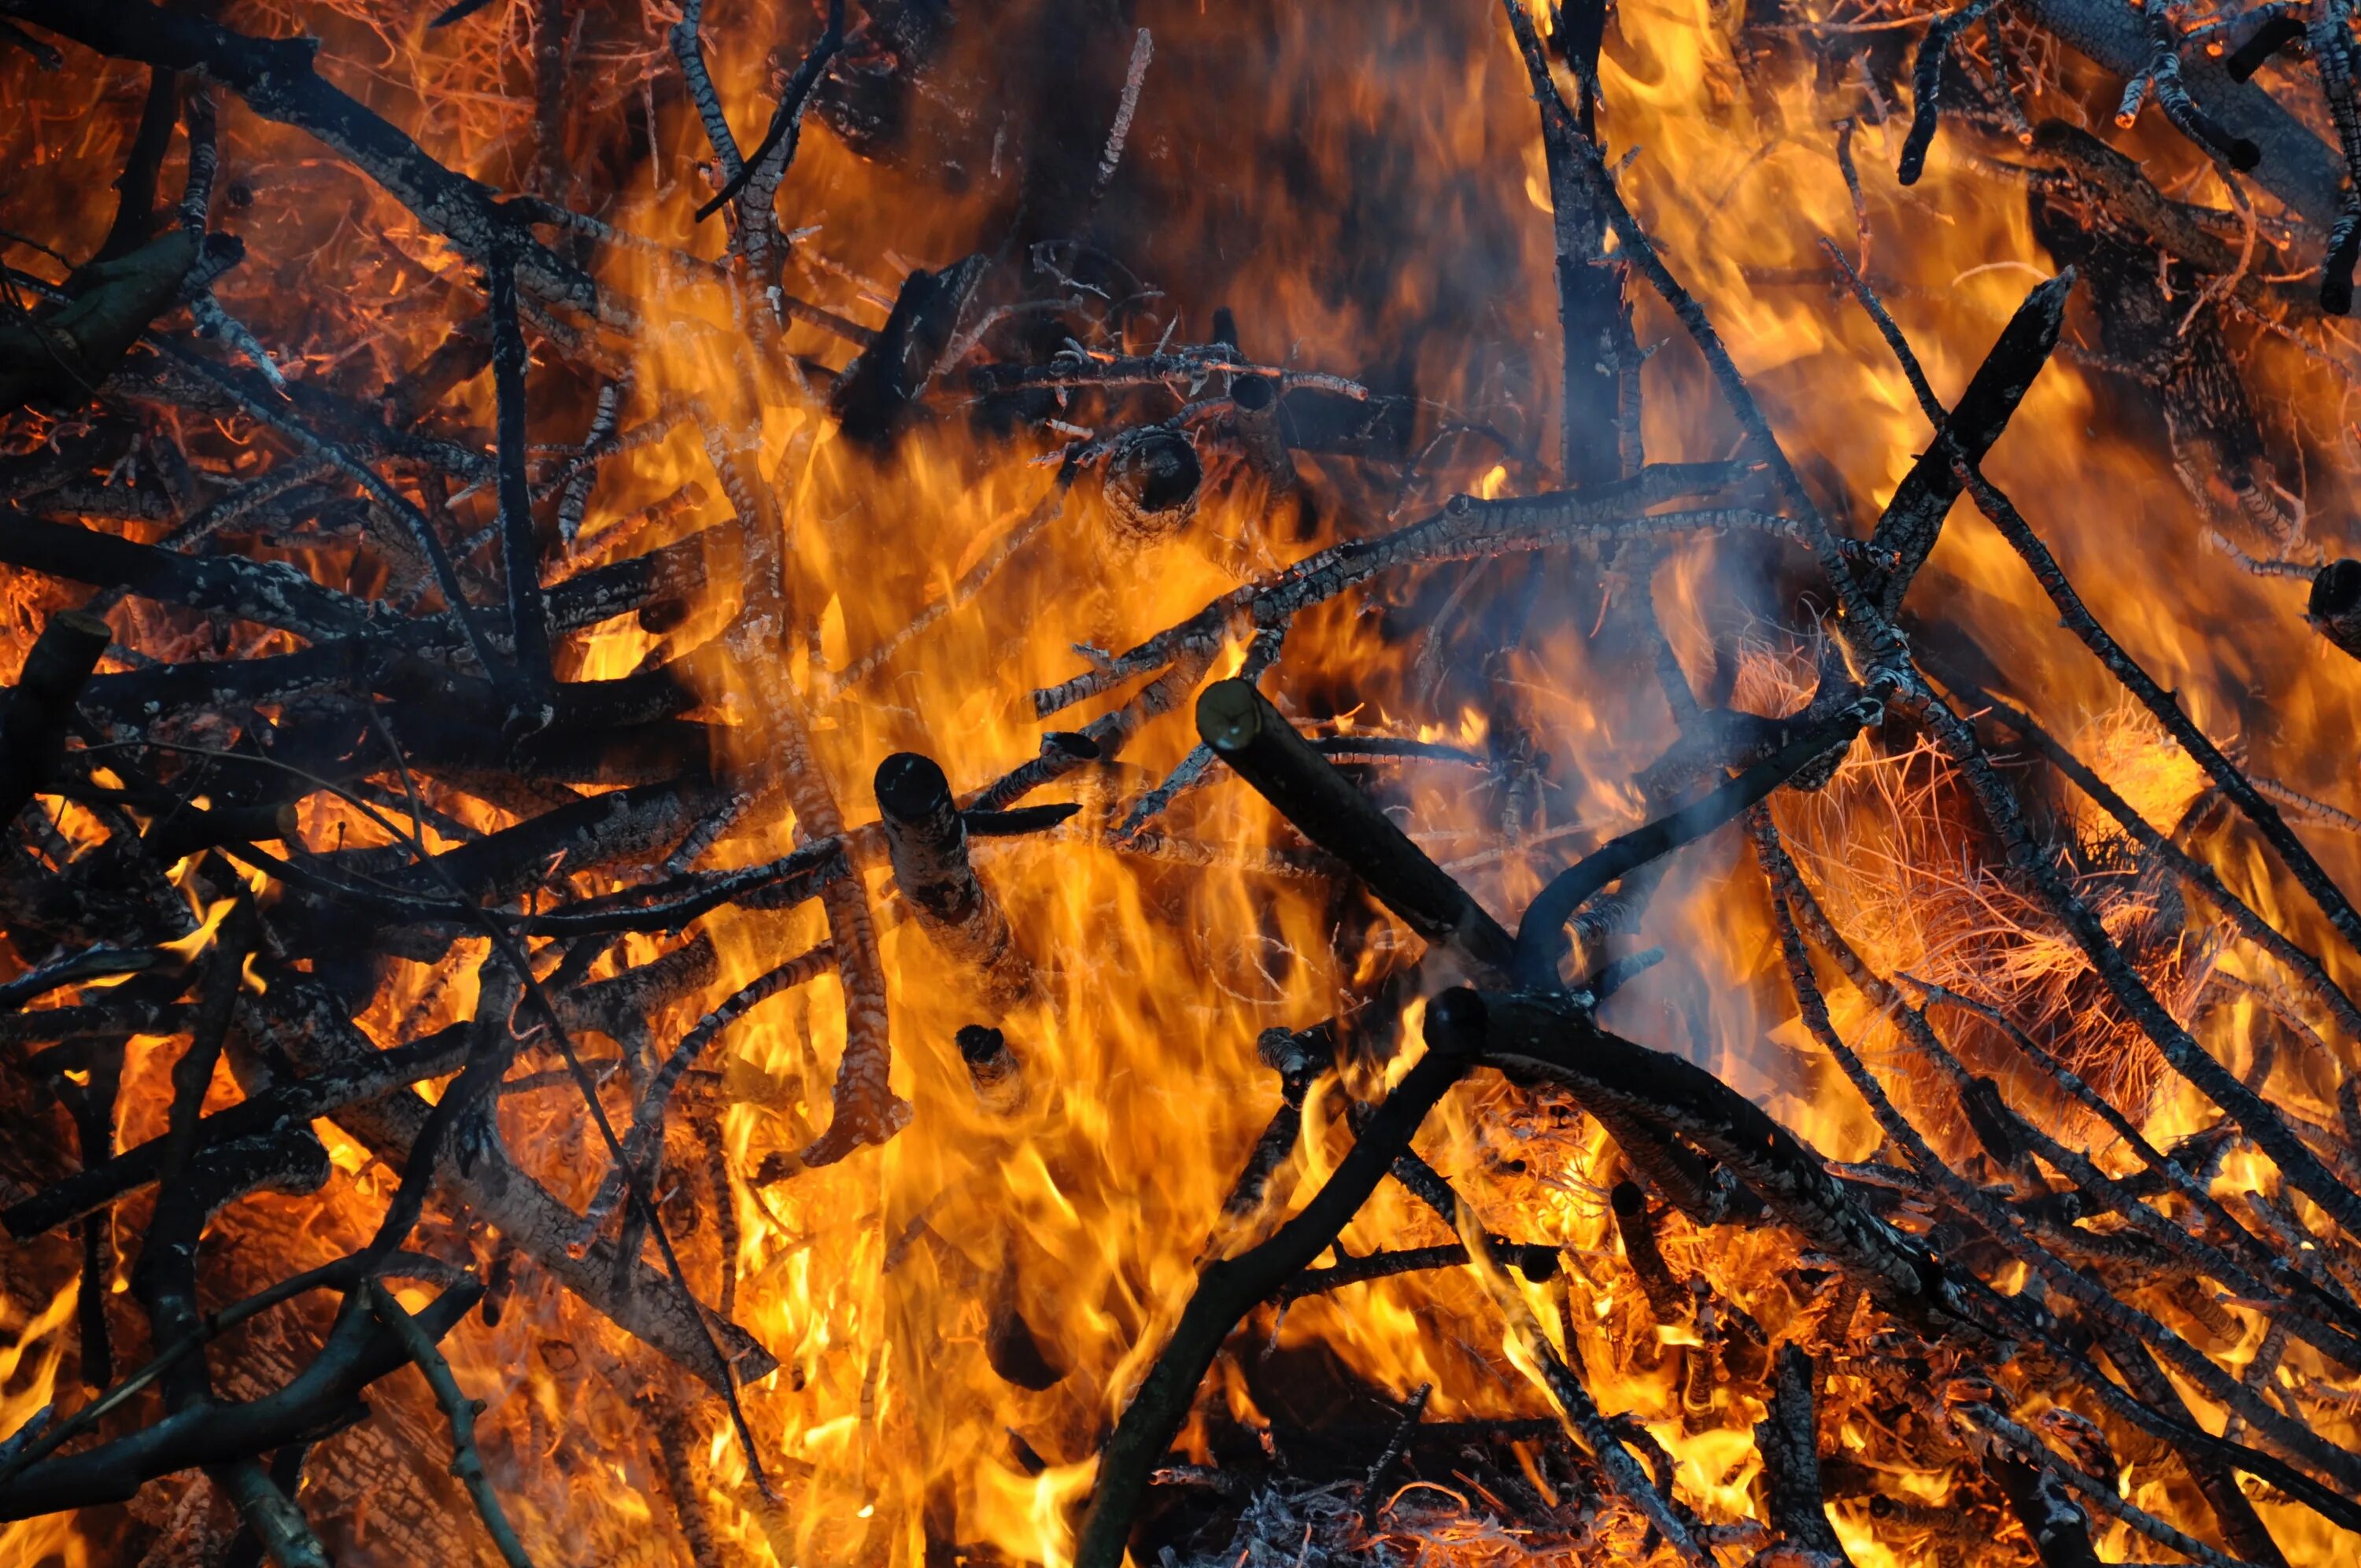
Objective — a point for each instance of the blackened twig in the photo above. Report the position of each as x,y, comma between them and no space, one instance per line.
1926,91
1387,1265
1229,1288
687,49
645,1137
520,554
2166,708
466,1463
1373,1488
786,118
33,725
1846,128
2172,97
1928,403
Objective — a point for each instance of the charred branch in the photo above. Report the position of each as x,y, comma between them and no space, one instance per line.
33,725
1788,1437
926,841
1228,1287
1250,735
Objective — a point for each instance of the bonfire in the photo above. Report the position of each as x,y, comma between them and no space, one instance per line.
1060,783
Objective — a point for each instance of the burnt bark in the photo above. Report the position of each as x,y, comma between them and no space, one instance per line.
927,842
40,707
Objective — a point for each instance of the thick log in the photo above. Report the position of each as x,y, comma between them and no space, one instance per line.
2297,167
927,842
2334,606
186,830
1152,477
33,725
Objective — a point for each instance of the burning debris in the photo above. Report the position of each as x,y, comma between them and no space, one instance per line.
677,776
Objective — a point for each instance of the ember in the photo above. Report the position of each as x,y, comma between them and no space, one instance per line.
1029,782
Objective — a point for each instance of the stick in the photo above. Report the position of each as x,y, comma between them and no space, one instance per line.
1788,1440
2165,706
1250,735
1373,1487
1530,1348
466,1463
1143,49
1227,1289
926,841
1541,931
520,554
1927,89
33,725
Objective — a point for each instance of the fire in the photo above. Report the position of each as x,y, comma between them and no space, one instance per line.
944,1313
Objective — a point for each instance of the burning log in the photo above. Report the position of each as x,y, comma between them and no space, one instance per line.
1151,484
1789,1438
926,841
1259,743
993,1068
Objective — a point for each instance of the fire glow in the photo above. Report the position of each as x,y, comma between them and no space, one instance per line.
942,782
